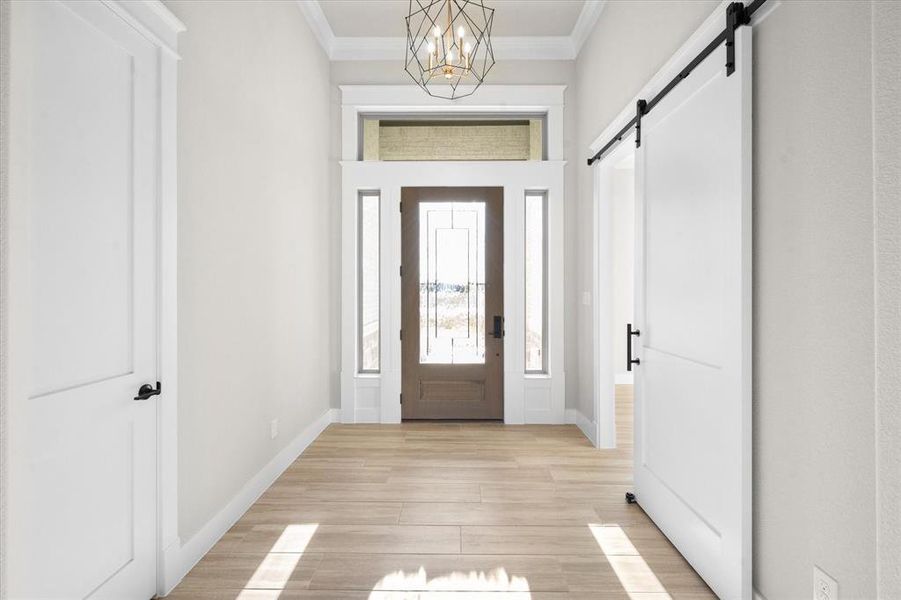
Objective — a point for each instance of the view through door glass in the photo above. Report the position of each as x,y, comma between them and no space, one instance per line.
452,292
452,282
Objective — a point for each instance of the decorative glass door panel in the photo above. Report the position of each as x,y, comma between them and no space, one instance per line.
452,253
452,283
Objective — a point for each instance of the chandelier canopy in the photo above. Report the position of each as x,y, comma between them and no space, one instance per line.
449,46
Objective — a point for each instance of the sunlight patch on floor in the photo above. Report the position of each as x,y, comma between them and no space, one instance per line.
277,566
258,595
495,580
633,572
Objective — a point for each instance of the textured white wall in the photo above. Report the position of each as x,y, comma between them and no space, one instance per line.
887,176
815,438
253,237
505,72
4,195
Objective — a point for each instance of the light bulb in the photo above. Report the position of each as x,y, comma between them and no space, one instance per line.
450,56
431,48
460,31
467,48
436,32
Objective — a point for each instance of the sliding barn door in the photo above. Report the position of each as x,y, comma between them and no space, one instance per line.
693,312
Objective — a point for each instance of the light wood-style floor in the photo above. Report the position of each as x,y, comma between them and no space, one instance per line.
449,510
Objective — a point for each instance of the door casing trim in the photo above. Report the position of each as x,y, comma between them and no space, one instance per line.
527,398
376,397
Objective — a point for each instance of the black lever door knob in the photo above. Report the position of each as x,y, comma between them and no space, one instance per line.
146,391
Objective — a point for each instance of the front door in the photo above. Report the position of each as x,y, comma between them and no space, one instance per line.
84,120
452,303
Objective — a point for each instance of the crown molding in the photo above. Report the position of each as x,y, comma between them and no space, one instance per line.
533,48
588,18
152,19
312,12
505,48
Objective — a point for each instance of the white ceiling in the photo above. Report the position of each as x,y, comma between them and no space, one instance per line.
385,18
522,29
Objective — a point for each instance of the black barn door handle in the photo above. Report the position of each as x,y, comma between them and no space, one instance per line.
629,360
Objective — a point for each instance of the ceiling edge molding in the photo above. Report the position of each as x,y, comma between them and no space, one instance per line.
505,48
167,16
588,18
317,21
153,20
534,48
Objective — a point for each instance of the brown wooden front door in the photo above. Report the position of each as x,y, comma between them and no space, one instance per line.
452,290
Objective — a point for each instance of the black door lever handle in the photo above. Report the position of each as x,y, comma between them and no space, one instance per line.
146,391
498,327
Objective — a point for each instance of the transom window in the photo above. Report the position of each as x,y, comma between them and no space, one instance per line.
518,137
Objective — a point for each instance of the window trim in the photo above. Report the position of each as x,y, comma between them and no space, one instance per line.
543,194
361,195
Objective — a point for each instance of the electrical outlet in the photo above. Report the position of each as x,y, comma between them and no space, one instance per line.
273,429
824,587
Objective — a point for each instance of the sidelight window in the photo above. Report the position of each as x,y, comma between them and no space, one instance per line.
368,281
536,281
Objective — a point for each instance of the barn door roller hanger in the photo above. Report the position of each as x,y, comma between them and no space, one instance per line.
737,15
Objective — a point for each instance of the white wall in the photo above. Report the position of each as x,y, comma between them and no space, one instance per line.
4,195
253,238
505,72
887,176
815,438
814,334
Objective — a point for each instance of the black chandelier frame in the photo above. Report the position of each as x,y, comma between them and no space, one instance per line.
438,64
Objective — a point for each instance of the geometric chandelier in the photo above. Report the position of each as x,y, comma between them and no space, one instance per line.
449,46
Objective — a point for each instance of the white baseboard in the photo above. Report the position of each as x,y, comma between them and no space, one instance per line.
624,378
185,556
575,417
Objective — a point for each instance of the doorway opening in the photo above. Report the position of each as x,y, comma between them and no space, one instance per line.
622,199
615,251
452,298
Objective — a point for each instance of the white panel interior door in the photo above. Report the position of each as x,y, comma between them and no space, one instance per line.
693,309
84,97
